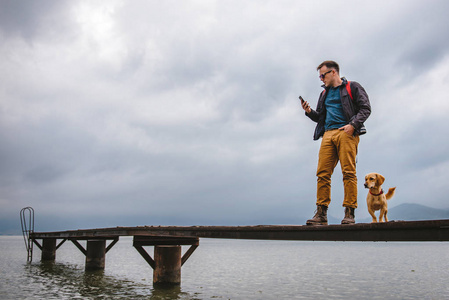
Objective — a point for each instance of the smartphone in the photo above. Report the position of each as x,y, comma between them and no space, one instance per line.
302,100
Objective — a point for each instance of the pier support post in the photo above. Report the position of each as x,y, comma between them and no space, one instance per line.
167,256
95,254
167,261
48,250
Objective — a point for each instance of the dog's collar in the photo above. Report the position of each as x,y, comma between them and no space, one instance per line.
381,192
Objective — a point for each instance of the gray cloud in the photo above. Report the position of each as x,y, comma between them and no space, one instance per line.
186,112
31,20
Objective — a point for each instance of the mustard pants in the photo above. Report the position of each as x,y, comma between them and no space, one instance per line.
337,145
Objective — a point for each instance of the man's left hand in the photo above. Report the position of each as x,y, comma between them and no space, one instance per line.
349,129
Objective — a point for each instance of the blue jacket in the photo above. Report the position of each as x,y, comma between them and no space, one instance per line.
356,111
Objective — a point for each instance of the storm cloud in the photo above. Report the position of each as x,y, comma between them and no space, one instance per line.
120,113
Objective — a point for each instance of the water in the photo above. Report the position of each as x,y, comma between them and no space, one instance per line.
236,269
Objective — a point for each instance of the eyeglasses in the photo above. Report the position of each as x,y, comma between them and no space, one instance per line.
324,74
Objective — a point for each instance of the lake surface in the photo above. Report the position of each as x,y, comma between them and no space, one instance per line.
237,269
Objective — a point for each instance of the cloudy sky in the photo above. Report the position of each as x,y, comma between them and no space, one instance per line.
126,113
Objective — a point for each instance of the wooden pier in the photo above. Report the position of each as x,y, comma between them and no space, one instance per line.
167,240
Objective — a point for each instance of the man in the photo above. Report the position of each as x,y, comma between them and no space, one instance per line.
340,119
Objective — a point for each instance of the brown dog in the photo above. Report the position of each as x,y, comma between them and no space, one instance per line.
376,199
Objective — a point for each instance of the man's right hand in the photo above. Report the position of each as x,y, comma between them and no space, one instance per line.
305,105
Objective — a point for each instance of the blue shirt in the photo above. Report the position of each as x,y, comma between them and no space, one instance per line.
335,117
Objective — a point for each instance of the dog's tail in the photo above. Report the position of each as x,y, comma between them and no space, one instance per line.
390,193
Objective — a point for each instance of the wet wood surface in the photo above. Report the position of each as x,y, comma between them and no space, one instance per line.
431,230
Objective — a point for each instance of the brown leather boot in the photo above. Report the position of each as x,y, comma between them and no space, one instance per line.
349,216
320,217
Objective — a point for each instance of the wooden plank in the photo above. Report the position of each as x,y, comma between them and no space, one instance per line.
146,256
112,244
145,240
188,253
37,244
79,246
60,244
433,230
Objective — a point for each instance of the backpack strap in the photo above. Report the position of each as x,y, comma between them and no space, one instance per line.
348,88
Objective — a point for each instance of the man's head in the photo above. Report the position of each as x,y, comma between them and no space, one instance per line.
329,73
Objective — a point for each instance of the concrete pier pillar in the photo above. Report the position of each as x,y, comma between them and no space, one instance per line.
167,261
95,254
48,250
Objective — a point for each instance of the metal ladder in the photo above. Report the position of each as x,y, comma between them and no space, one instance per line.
27,221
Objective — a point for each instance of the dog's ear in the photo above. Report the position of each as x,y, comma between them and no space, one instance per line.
380,179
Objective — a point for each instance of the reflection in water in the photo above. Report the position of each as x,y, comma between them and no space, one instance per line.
161,292
239,270
57,280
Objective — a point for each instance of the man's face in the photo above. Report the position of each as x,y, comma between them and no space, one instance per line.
327,76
